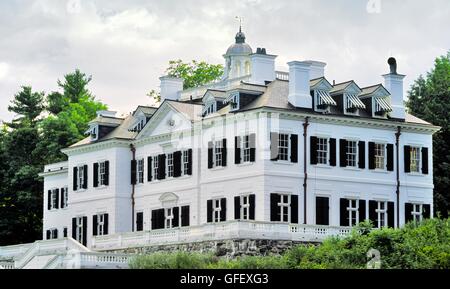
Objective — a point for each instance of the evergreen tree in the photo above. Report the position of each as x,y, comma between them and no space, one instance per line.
429,99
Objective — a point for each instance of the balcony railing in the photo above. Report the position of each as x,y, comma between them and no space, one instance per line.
281,75
219,231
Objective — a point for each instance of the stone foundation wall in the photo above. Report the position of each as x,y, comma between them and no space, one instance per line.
225,248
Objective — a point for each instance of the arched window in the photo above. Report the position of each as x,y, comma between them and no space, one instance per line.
237,68
247,67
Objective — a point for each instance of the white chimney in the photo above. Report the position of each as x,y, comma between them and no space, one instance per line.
262,67
299,89
317,69
394,84
170,87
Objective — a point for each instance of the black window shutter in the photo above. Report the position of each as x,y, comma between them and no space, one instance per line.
294,148
373,216
391,214
362,210
362,155
95,175
390,157
313,150
252,204
371,155
177,164
408,211
149,169
189,162
209,211
161,218
75,178
48,235
237,208
294,209
343,203
185,216
407,158
133,171
140,221
161,167
224,152
154,219
49,199
56,233
176,217
322,211
106,173
343,153
252,141
57,198
223,209
332,152
274,141
237,150
426,211
425,161
74,228
274,208
85,228
94,225
210,155
62,205
106,224
65,232
85,181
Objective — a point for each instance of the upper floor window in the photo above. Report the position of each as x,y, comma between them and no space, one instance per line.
415,159
246,148
80,175
101,174
322,151
54,199
185,162
352,154
64,197
380,154
155,167
170,166
140,171
283,147
218,154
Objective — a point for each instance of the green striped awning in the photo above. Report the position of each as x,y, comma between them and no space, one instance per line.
355,102
382,105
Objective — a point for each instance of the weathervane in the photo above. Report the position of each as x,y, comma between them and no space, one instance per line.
240,22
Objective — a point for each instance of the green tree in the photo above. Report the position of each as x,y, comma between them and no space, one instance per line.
194,73
28,105
429,99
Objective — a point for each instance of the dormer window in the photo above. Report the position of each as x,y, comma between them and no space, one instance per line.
323,100
93,132
381,106
352,103
234,103
210,108
139,125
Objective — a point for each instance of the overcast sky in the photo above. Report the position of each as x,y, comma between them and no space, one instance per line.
126,45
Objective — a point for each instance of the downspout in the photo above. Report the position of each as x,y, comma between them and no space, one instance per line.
133,152
305,171
397,144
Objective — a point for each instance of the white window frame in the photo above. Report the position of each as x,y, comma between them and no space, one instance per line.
415,161
101,173
348,104
185,162
53,198
80,177
246,149
284,207
218,149
94,133
323,152
235,99
53,232
352,154
319,102
140,171
168,218
353,210
284,147
155,168
79,229
382,214
378,158
65,197
217,208
100,224
417,213
170,165
244,201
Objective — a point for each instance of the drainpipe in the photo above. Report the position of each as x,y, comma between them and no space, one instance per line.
305,171
397,144
133,152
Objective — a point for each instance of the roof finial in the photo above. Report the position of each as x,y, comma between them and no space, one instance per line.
240,36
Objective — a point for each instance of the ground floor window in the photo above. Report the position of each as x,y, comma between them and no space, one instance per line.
382,214
284,208
353,216
79,229
417,213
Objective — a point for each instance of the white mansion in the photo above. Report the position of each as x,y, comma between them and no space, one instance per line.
258,154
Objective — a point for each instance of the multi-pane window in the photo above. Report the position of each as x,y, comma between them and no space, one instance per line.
185,162
216,210
79,229
380,156
235,102
102,173
65,197
417,213
322,151
415,159
245,207
381,211
80,177
285,208
246,148
283,147
155,167
170,165
101,224
168,215
54,198
353,216
352,153
140,171
218,149
53,234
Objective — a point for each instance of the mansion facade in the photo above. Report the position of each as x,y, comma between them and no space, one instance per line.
259,146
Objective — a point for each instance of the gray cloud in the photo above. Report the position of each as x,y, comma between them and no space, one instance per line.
126,45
